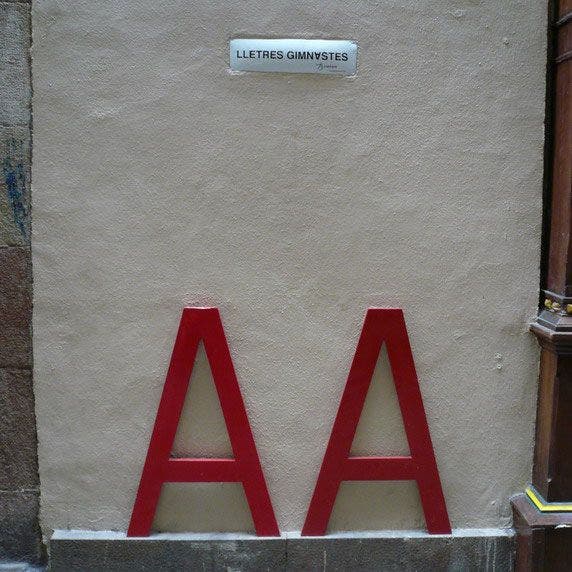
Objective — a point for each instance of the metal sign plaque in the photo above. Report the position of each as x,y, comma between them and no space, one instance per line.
329,57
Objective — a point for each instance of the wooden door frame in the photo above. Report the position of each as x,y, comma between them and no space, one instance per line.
543,514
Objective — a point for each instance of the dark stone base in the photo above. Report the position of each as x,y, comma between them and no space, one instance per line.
19,528
470,549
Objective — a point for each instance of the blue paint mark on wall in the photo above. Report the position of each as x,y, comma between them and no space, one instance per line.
15,179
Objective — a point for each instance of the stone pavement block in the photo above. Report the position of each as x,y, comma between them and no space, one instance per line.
19,530
154,553
14,186
15,308
471,549
250,555
14,62
18,461
106,556
415,553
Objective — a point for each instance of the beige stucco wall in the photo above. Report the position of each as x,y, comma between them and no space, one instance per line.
292,203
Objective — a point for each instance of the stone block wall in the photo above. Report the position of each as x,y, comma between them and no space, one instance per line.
20,538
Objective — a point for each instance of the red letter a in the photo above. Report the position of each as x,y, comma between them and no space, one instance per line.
202,324
380,325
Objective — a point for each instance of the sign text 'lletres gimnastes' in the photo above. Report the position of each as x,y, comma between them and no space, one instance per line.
331,57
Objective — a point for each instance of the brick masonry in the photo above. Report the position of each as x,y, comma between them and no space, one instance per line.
20,539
